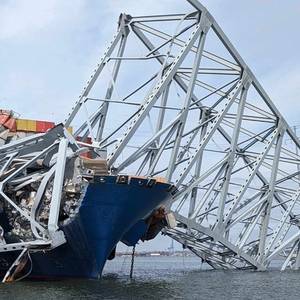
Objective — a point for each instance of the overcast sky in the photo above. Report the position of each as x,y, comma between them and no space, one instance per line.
49,48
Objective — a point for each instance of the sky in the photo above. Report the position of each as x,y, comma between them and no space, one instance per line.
49,48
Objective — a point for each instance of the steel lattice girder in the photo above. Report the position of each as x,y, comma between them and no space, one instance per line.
38,160
201,119
181,103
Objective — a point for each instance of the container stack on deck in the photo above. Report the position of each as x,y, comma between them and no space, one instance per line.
13,127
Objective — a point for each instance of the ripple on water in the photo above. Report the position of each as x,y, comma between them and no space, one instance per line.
163,278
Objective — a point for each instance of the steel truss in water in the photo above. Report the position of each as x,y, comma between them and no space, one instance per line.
181,103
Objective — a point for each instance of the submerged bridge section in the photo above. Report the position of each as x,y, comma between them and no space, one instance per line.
180,103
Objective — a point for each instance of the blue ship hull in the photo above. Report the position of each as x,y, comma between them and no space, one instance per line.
111,210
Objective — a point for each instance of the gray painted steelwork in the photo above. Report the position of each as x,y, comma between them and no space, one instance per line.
181,103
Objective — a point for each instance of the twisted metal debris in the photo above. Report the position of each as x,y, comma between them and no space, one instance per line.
179,103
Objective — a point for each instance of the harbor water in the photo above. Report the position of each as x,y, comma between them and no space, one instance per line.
162,278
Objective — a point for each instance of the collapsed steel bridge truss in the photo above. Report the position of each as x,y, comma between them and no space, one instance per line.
181,103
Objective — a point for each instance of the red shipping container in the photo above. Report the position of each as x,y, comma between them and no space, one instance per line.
3,118
43,126
11,124
7,120
88,140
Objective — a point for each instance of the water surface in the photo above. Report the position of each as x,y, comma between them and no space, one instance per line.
163,278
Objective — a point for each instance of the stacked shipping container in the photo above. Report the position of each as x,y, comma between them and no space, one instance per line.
12,128
33,125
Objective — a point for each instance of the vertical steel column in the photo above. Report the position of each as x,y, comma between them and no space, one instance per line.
258,161
282,223
58,185
266,218
160,120
188,98
204,117
297,261
115,72
93,78
233,148
289,257
153,96
207,194
230,98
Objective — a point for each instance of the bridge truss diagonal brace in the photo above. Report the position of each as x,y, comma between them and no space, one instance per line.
233,149
121,32
192,224
58,186
258,161
157,90
280,227
188,100
23,212
210,197
229,100
269,200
